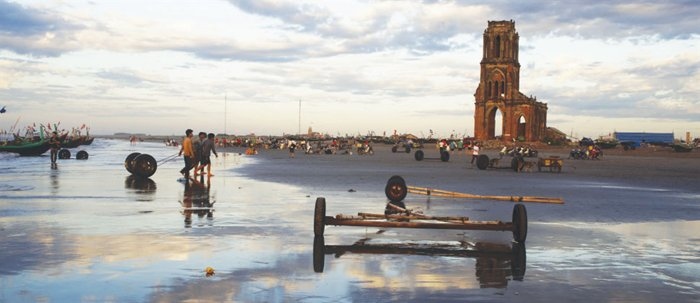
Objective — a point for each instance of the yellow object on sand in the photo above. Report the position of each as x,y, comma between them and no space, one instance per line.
209,271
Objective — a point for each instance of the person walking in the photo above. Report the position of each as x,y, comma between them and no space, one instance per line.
292,148
197,147
186,149
475,152
208,147
55,145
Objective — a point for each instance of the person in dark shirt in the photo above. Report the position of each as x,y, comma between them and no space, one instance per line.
208,147
55,145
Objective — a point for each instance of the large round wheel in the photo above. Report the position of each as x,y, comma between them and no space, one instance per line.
419,155
519,223
81,155
64,154
319,253
129,162
444,156
145,165
482,162
319,217
396,189
394,149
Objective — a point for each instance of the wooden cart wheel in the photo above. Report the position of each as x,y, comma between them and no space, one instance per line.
519,223
396,189
64,154
394,149
81,155
319,253
145,165
444,156
319,217
129,162
482,162
419,155
518,261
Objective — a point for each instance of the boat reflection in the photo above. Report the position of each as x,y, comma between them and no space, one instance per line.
495,263
196,200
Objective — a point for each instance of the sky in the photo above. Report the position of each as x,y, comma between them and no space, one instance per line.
342,67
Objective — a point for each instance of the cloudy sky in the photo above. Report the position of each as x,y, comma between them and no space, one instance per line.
244,66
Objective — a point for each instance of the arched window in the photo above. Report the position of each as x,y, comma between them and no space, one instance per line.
498,46
503,87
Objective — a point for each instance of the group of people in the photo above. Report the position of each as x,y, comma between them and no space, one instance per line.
197,153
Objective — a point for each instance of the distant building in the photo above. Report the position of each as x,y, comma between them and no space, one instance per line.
499,90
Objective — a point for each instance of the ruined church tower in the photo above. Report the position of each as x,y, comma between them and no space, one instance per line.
499,90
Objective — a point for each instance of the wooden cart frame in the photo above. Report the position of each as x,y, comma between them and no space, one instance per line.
518,226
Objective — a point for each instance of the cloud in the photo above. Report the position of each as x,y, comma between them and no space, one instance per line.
603,19
34,32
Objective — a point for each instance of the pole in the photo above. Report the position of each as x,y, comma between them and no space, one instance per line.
225,113
299,130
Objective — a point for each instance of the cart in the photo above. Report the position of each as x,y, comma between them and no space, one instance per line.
406,219
554,163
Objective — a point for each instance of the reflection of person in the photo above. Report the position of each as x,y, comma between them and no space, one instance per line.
55,145
196,200
186,149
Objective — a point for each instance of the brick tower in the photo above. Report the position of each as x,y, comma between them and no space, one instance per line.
499,90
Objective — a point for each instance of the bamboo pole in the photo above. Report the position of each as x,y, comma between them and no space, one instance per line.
451,194
474,225
407,217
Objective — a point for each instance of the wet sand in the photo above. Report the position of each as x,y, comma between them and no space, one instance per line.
88,232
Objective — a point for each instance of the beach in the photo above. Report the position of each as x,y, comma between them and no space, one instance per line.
89,232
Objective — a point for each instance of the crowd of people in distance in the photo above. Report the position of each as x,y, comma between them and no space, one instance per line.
197,153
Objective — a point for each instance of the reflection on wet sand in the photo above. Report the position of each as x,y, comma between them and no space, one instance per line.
494,262
196,199
145,188
140,184
54,180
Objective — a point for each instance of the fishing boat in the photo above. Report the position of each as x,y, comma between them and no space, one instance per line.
72,142
35,148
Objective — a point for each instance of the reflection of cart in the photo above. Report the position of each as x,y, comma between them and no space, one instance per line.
554,163
494,262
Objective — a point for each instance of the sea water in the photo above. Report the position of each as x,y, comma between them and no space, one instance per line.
88,231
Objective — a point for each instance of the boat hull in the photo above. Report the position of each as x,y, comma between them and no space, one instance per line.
27,149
